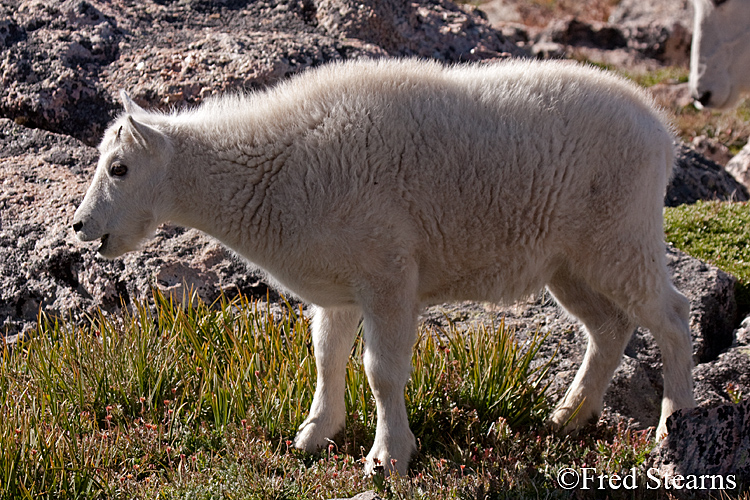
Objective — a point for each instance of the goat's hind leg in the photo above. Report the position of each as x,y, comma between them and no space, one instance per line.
659,307
668,320
333,333
609,329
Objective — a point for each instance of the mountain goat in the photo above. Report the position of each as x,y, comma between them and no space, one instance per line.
372,188
720,53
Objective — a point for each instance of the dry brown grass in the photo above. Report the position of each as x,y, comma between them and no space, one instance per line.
731,128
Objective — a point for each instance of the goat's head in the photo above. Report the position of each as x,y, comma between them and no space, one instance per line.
720,56
127,198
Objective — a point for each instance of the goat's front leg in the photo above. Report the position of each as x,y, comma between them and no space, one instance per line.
390,332
333,333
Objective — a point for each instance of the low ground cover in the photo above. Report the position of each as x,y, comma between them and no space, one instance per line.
202,401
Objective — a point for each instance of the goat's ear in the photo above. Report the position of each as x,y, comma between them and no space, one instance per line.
148,137
129,104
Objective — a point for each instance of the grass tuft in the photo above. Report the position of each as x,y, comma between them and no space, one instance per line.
168,399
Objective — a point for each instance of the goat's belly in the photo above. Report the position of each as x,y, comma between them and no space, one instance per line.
494,283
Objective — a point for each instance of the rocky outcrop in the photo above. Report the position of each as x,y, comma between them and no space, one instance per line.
711,441
713,308
638,35
51,66
440,30
726,378
63,63
645,12
658,29
696,178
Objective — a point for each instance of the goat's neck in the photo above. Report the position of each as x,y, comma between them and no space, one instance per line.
224,189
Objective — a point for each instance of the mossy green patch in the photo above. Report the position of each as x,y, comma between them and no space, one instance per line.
717,233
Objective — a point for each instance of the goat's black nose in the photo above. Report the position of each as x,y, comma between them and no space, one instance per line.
77,226
705,98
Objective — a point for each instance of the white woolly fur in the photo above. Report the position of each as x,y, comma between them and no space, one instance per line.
372,188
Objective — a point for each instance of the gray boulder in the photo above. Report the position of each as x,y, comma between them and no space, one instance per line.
708,441
645,12
713,307
727,377
440,29
51,63
632,38
63,63
658,29
696,178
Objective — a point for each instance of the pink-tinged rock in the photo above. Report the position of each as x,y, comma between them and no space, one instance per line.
707,441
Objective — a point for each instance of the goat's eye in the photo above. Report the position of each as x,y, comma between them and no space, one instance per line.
719,2
117,169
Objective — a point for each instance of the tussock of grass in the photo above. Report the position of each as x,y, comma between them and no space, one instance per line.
167,396
466,386
718,233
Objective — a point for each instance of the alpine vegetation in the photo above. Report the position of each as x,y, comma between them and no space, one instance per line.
372,188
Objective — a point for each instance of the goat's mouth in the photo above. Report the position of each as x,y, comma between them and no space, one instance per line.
103,246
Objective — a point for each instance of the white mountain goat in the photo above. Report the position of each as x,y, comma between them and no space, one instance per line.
720,53
370,189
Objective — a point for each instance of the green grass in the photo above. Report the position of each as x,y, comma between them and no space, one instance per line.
170,400
201,402
718,233
666,74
